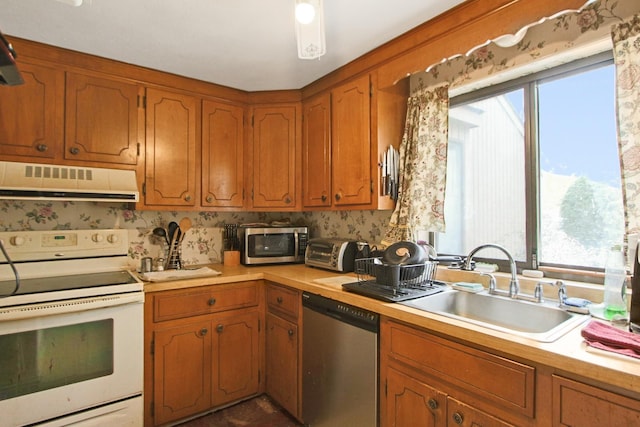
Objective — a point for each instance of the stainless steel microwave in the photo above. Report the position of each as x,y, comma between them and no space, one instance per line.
272,245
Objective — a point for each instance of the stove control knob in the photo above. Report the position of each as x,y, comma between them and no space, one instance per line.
112,238
16,241
97,238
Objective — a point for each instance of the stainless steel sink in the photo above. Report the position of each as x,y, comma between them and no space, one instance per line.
537,321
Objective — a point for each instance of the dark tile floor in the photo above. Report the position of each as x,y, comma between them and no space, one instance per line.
257,412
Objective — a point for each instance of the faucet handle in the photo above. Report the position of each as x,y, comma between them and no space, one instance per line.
562,290
492,281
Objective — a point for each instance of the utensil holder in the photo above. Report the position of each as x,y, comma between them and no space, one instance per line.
174,260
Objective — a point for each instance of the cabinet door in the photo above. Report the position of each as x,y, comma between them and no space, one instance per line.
460,414
222,155
351,143
32,114
274,157
102,120
171,147
578,404
182,371
236,357
282,362
412,403
316,151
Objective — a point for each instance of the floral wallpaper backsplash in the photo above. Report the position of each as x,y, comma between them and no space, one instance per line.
202,243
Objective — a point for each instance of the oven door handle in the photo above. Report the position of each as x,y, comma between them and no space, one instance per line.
53,308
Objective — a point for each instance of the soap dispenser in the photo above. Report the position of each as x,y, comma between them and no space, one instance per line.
615,279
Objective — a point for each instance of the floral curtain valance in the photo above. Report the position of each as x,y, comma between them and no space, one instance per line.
584,32
423,166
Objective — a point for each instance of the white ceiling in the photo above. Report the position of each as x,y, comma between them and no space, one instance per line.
244,44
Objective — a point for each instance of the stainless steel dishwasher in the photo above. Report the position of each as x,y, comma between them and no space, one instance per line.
340,364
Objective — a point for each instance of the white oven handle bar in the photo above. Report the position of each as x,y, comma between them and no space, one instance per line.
68,306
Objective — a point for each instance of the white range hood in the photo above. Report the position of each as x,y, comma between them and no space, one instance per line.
34,181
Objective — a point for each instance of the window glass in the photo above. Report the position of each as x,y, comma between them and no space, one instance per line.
485,198
580,189
533,166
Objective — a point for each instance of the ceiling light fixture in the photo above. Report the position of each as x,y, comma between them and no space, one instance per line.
310,29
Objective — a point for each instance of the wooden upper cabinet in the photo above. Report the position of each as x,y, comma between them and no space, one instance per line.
103,122
316,151
172,141
32,115
222,155
351,143
275,152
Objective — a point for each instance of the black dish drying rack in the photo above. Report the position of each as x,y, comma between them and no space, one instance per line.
390,282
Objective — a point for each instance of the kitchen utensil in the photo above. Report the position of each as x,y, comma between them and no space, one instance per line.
404,253
184,226
173,260
172,228
161,232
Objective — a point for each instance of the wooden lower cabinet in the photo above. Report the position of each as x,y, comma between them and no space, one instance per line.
410,402
283,347
579,404
427,380
182,371
199,362
236,367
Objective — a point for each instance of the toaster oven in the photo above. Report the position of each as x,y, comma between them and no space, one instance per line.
331,254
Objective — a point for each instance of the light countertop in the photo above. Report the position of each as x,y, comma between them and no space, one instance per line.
568,355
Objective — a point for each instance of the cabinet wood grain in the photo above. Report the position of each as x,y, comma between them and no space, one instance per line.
222,155
172,142
102,120
32,115
275,158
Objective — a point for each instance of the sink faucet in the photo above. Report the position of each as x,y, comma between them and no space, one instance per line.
514,286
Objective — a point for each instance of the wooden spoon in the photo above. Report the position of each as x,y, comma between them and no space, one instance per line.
185,225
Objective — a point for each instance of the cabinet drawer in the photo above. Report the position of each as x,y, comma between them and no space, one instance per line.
501,381
283,300
204,300
576,404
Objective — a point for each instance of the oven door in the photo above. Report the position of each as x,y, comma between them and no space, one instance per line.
65,357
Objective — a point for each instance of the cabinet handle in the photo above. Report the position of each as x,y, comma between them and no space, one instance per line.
433,404
220,328
279,300
42,147
212,301
187,198
338,197
74,150
287,200
203,331
290,332
323,198
458,418
209,199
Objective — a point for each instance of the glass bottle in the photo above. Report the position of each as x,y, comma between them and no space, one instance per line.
615,277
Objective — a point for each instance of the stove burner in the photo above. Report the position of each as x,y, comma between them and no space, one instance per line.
394,294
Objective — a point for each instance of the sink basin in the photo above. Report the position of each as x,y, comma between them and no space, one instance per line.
537,321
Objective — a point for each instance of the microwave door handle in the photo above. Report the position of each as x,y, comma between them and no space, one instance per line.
296,245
